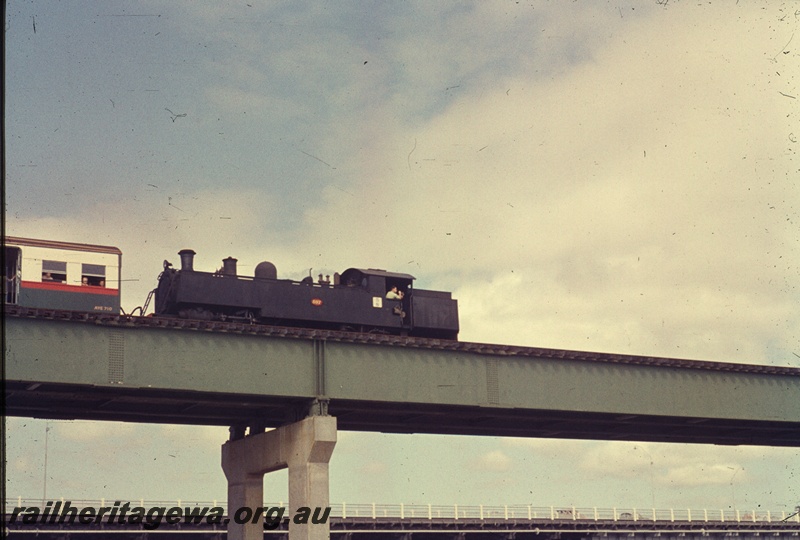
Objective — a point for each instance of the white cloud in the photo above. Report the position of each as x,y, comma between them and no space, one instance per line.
494,461
197,435
702,474
23,465
94,432
630,207
679,466
563,448
379,468
660,468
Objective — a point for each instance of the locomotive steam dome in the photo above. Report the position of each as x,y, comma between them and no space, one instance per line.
266,270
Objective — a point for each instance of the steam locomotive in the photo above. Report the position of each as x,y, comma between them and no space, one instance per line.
358,300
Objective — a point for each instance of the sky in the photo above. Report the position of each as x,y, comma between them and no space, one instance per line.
603,176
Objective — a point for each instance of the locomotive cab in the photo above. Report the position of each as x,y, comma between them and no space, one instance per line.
378,283
423,313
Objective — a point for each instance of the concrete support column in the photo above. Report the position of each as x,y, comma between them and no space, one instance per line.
245,490
305,447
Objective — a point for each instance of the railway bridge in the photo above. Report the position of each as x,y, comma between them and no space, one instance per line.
310,383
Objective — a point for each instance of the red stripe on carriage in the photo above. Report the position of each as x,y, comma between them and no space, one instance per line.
63,287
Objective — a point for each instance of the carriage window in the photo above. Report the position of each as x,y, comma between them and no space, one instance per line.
93,275
55,271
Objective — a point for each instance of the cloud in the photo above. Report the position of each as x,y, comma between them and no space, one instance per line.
633,212
549,448
23,466
209,436
659,467
371,468
94,432
702,474
494,461
678,466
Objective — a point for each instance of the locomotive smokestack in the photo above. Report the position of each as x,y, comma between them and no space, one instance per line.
229,266
187,259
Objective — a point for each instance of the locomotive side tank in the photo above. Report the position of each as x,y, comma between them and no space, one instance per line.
355,301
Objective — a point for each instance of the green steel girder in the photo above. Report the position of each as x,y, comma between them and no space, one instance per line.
69,369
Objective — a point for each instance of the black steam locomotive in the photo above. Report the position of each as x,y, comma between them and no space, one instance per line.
356,300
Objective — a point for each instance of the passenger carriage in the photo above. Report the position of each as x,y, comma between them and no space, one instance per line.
61,275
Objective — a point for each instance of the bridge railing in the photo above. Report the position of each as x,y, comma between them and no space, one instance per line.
556,513
461,512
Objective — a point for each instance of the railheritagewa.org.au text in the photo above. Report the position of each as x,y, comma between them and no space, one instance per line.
63,512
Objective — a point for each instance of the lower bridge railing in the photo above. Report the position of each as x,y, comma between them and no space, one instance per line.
554,513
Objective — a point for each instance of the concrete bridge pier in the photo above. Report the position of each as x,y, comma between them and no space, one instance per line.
305,448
